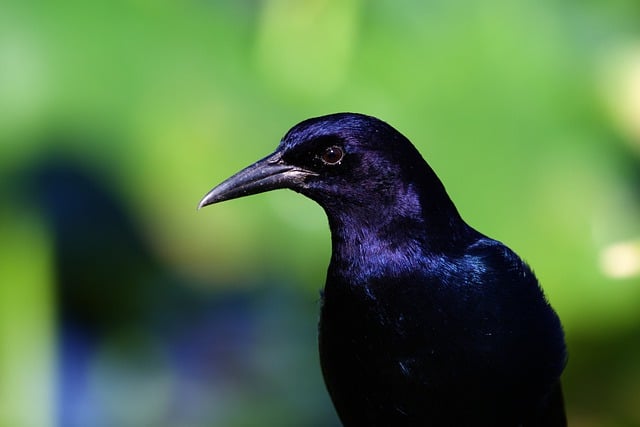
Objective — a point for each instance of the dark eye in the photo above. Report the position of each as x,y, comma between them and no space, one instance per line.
332,155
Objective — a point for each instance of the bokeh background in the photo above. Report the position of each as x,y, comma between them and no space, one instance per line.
121,305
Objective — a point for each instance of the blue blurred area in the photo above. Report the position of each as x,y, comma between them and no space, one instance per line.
120,305
138,344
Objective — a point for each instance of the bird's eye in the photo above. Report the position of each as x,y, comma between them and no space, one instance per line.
332,155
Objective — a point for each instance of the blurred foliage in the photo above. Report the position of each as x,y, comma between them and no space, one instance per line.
121,305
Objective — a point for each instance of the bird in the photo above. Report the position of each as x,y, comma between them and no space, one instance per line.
424,321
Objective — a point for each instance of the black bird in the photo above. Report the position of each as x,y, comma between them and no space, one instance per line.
424,320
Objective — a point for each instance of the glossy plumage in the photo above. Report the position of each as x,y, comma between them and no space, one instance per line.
424,321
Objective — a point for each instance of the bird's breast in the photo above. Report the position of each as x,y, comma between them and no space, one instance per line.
411,345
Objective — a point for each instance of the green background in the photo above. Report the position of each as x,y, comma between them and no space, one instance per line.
116,117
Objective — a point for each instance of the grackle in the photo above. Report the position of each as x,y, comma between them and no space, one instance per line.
424,320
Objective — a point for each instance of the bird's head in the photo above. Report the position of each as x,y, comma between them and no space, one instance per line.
353,165
339,159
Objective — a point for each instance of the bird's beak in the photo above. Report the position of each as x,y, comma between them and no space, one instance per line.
267,174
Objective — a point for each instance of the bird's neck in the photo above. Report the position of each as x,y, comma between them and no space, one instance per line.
381,239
